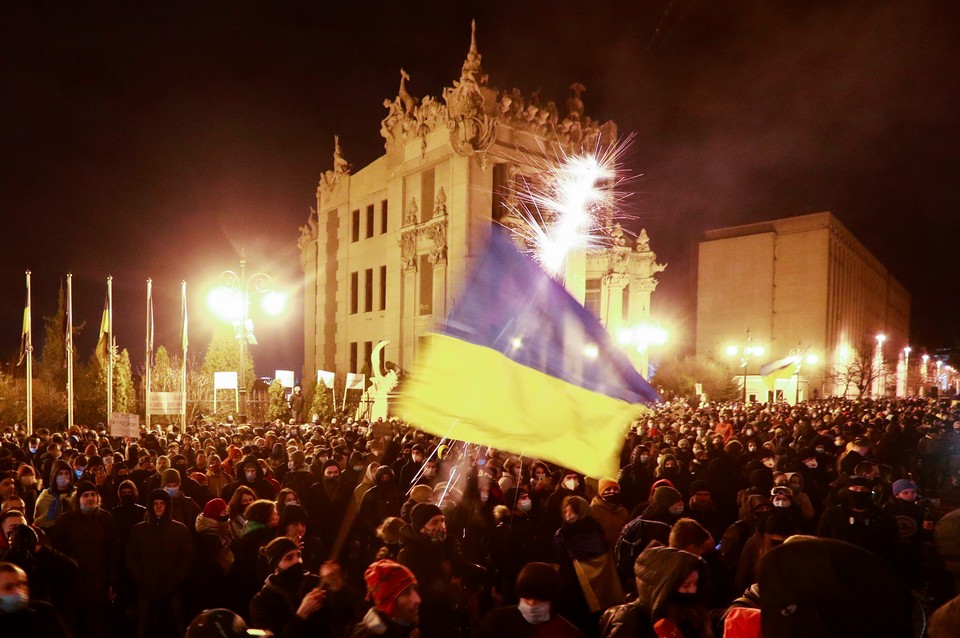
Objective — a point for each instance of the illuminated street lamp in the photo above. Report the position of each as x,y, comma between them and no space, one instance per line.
231,302
906,370
878,365
748,350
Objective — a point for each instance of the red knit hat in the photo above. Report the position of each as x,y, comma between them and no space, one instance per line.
386,580
215,508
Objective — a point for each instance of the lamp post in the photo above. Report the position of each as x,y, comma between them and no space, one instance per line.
641,338
878,365
906,370
745,352
232,301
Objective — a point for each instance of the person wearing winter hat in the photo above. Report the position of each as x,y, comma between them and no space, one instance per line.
294,602
183,509
87,534
21,616
219,623
436,562
666,505
608,510
535,614
418,494
913,525
214,553
859,521
393,589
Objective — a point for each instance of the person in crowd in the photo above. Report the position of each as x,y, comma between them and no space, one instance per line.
608,510
217,478
250,474
87,534
214,554
22,616
260,528
158,556
183,509
54,501
237,505
670,599
534,614
294,603
393,590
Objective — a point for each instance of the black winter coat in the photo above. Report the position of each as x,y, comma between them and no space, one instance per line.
159,552
91,540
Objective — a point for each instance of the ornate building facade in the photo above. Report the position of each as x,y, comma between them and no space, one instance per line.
389,245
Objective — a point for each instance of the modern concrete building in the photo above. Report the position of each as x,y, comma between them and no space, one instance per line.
390,244
800,284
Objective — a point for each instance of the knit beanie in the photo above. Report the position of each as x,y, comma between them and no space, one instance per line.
291,514
666,496
215,508
606,483
275,550
386,580
389,530
421,514
85,486
537,580
169,476
699,486
903,484
421,493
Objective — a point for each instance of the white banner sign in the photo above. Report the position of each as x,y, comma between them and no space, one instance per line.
326,377
124,425
163,403
355,381
225,381
285,377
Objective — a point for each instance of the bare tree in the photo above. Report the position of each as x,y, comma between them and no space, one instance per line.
861,371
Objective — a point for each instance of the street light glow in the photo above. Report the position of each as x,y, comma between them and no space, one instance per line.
591,351
226,303
732,351
274,303
812,359
881,338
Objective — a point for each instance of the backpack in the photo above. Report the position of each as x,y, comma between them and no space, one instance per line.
636,536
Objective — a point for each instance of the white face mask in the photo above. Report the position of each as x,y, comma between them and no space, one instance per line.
535,614
769,463
571,484
677,509
812,464
525,505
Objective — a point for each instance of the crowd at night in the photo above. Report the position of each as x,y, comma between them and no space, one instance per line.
712,527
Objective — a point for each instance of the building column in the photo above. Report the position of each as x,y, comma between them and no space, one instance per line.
408,295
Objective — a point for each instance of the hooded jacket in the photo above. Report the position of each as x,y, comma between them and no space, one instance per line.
90,538
52,501
381,501
659,571
260,486
159,550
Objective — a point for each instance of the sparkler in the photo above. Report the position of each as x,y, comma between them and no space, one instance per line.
568,205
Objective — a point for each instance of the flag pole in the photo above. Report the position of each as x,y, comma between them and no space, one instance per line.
109,351
29,353
184,343
68,348
149,354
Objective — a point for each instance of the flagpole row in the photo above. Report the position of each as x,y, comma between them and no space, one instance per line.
184,341
109,351
149,354
68,349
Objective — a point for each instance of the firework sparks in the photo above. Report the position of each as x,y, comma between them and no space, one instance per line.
568,205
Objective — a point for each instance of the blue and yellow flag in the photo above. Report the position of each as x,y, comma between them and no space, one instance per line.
520,365
103,345
780,369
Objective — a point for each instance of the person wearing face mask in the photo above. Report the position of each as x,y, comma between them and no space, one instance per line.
666,506
635,479
217,478
671,600
294,603
430,475
250,474
183,509
533,616
772,531
514,541
380,502
298,476
88,535
21,616
129,512
158,555
859,521
435,561
608,510
571,484
28,487
412,467
418,494
54,501
327,502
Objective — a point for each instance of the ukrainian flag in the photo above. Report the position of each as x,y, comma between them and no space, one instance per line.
520,365
780,369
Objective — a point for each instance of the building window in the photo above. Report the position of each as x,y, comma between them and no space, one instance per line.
367,355
383,287
370,220
354,292
426,194
591,300
368,290
426,285
383,217
355,226
353,356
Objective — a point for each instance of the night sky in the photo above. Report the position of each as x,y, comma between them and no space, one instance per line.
155,139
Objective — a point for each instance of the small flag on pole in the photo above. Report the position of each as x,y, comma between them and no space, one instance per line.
184,337
149,324
103,342
781,369
522,366
25,336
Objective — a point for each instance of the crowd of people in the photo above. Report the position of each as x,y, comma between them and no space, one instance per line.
827,518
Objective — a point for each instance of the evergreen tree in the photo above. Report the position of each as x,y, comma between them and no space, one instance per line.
164,376
278,401
52,367
322,403
223,355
